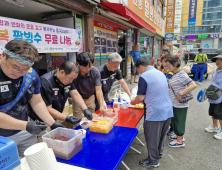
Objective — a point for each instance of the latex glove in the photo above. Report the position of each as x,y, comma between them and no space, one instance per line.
88,114
132,98
72,119
56,125
35,127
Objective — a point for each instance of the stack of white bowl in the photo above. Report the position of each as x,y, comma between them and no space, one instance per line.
40,157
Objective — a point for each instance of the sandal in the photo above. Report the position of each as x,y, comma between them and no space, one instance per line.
131,83
135,82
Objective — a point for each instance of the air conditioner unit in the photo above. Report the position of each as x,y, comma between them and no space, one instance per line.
95,2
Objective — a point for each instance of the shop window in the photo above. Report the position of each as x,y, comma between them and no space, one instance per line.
145,45
220,44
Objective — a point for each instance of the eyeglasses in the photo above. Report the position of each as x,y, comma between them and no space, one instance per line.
220,59
168,66
17,70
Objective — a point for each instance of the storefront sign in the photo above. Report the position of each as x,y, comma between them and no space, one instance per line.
169,36
189,46
146,10
170,16
105,39
192,13
57,59
159,7
46,38
204,36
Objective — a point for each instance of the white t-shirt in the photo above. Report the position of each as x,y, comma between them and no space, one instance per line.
178,83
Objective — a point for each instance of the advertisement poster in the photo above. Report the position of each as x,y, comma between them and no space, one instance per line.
57,59
79,30
105,39
192,13
170,16
169,36
46,38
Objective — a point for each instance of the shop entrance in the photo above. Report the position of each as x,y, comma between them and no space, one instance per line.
122,51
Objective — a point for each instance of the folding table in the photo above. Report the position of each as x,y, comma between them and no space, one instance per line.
103,151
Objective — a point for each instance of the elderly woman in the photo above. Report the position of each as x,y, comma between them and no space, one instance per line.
180,84
216,104
109,73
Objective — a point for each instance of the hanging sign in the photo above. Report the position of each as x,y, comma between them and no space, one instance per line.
46,38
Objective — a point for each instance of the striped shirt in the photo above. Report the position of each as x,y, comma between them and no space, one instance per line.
178,82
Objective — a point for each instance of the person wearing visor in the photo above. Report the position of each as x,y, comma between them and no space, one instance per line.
166,51
20,86
88,83
56,86
109,73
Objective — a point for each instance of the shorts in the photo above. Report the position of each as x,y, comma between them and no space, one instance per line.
134,70
215,110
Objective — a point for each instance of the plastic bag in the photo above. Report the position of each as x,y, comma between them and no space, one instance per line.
210,69
187,69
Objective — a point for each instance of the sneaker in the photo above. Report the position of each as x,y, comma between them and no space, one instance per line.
160,156
200,83
147,163
211,128
177,144
218,135
196,82
170,133
174,137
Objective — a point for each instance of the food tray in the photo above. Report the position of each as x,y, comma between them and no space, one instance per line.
99,128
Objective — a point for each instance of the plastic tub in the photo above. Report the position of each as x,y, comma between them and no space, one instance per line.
99,127
84,124
124,106
64,149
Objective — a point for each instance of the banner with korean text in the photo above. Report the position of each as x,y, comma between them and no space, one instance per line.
192,13
170,16
46,38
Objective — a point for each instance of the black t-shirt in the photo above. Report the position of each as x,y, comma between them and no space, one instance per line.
108,78
48,92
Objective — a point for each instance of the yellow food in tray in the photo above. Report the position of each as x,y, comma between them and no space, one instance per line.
139,106
100,126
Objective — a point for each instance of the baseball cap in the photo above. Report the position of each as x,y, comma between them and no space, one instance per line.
166,49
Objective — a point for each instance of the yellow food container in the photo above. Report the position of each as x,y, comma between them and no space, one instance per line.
101,125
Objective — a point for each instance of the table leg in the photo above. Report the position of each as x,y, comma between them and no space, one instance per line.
135,150
125,165
140,141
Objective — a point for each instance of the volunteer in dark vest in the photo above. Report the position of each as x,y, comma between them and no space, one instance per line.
56,86
201,60
20,86
109,73
88,84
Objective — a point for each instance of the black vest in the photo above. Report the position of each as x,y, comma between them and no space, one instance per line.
20,110
60,93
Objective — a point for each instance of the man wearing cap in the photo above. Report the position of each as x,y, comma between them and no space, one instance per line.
166,51
109,73
20,86
216,104
201,60
56,86
88,84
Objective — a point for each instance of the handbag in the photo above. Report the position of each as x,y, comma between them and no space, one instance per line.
185,98
213,92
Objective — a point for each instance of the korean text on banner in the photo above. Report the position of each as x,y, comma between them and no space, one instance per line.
46,38
192,13
170,16
146,10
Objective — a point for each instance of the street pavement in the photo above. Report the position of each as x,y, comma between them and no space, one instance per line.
202,151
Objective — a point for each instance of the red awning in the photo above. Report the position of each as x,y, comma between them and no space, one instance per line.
127,13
